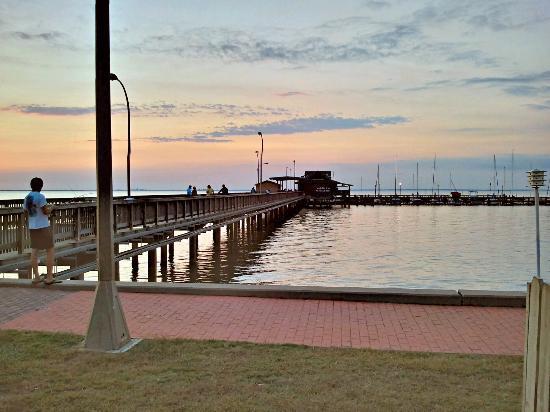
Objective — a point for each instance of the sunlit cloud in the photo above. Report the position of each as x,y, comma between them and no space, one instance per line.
290,126
158,109
192,139
294,93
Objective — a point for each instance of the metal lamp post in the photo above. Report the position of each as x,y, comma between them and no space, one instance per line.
536,180
261,161
113,77
257,167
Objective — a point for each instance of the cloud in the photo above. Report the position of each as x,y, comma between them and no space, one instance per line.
477,57
525,78
376,4
494,15
541,106
290,126
157,109
518,85
192,139
290,94
47,36
478,130
50,110
239,46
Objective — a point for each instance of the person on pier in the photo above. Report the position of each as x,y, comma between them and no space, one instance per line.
224,190
194,191
190,191
209,190
37,209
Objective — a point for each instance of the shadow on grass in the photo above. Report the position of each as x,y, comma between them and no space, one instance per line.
44,371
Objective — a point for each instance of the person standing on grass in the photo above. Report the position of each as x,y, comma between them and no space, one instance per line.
37,209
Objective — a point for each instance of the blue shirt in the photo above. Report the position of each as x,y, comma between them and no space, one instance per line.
33,205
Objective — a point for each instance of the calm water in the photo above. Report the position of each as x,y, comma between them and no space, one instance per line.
476,247
415,247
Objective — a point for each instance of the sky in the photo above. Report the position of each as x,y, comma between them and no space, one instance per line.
341,86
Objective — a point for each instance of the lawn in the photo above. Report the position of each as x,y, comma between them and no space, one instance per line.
40,371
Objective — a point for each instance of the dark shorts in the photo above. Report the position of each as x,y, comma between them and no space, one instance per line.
41,238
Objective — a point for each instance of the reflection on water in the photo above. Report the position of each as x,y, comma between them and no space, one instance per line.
419,247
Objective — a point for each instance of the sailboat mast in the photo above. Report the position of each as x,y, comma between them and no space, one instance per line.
433,176
512,188
494,173
417,178
378,179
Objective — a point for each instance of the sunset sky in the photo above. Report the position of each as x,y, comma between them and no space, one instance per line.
335,85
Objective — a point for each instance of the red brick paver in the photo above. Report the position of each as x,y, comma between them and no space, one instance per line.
455,329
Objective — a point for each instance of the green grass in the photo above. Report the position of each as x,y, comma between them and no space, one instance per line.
41,371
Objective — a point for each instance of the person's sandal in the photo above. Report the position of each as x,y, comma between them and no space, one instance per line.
39,279
51,282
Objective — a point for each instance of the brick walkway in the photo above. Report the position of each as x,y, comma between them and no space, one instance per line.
455,329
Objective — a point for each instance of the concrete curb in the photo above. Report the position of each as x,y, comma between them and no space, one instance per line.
381,295
492,298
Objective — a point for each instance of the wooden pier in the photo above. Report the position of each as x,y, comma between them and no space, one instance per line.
152,220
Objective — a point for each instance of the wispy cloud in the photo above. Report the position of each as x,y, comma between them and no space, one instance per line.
520,79
516,85
157,109
495,15
46,36
290,94
192,139
239,46
477,57
376,4
287,127
50,110
540,106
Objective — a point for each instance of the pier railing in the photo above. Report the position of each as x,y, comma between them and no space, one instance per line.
75,222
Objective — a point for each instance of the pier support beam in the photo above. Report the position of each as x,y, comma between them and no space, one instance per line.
193,248
163,257
135,261
152,265
171,252
216,235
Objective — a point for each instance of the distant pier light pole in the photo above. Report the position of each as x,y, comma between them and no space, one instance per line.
257,166
536,180
113,77
294,173
261,161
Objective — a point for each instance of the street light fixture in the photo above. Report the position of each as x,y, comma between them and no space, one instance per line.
113,77
261,161
536,180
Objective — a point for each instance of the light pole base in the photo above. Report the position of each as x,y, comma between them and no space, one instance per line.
107,330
